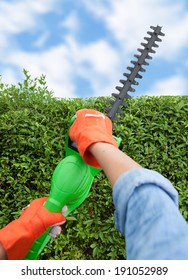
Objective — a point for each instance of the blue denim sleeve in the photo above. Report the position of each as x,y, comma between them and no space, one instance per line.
147,214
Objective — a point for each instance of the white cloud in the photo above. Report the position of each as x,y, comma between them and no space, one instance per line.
97,63
41,6
175,85
14,17
71,22
129,20
9,76
54,63
101,56
98,8
20,15
41,40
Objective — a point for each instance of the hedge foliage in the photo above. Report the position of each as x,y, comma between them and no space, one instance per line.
154,131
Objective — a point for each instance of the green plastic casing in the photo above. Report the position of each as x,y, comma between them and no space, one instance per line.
70,184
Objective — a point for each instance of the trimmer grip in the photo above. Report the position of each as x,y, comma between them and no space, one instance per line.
41,242
38,246
70,185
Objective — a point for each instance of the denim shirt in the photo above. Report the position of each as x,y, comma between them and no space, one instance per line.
147,215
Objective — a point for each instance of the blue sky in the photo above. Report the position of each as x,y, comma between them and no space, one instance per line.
84,46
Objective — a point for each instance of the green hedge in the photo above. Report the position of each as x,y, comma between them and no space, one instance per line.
154,131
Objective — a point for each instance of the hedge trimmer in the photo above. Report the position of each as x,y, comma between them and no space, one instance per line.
73,178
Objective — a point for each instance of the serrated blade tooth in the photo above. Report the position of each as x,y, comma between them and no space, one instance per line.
127,96
137,56
148,57
145,63
135,83
153,27
130,68
147,38
131,89
124,104
142,69
140,50
161,34
120,111
138,76
150,33
126,75
107,110
155,45
115,95
119,88
111,102
122,81
115,118
152,51
158,39
134,62
144,44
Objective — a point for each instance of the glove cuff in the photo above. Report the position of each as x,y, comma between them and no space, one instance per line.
85,141
16,240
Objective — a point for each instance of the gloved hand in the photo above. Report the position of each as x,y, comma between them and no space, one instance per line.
90,127
18,236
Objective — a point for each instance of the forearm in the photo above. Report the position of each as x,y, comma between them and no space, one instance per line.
112,160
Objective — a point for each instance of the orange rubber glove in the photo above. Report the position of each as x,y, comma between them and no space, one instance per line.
90,127
18,236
